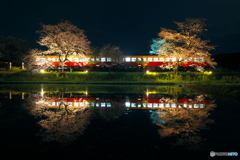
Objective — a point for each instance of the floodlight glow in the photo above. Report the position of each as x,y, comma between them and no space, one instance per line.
208,72
42,70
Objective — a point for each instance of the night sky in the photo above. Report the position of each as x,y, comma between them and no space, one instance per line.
129,24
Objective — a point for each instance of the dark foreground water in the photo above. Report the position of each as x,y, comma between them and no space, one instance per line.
115,122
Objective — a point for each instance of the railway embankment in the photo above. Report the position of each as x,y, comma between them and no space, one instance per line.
204,78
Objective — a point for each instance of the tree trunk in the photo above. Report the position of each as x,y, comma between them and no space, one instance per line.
175,69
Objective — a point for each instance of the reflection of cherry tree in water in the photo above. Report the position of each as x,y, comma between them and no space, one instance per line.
62,124
184,125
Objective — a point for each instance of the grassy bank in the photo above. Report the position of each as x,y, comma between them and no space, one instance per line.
122,77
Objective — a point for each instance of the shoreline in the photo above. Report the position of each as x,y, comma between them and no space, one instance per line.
93,83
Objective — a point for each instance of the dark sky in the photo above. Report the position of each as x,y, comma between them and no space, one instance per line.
129,24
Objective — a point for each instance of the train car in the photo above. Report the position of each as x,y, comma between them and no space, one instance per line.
125,61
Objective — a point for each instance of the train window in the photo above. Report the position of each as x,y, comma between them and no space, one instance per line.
70,59
75,59
174,105
195,106
167,105
155,59
196,59
69,103
87,59
76,104
155,105
109,59
133,59
81,59
150,105
92,59
139,59
161,105
97,59
144,59
38,59
202,59
127,104
190,59
43,59
168,59
161,59
133,105
103,59
150,59
174,59
127,59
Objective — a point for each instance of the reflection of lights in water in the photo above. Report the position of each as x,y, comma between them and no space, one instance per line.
42,92
147,93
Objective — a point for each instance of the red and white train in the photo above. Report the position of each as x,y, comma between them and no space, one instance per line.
128,61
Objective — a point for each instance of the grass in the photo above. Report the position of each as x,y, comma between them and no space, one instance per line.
221,78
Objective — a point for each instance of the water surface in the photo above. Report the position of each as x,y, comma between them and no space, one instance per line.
115,122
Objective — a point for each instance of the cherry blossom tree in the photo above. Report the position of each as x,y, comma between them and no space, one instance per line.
64,40
113,53
185,43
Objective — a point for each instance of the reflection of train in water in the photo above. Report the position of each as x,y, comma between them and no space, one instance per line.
130,103
125,61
